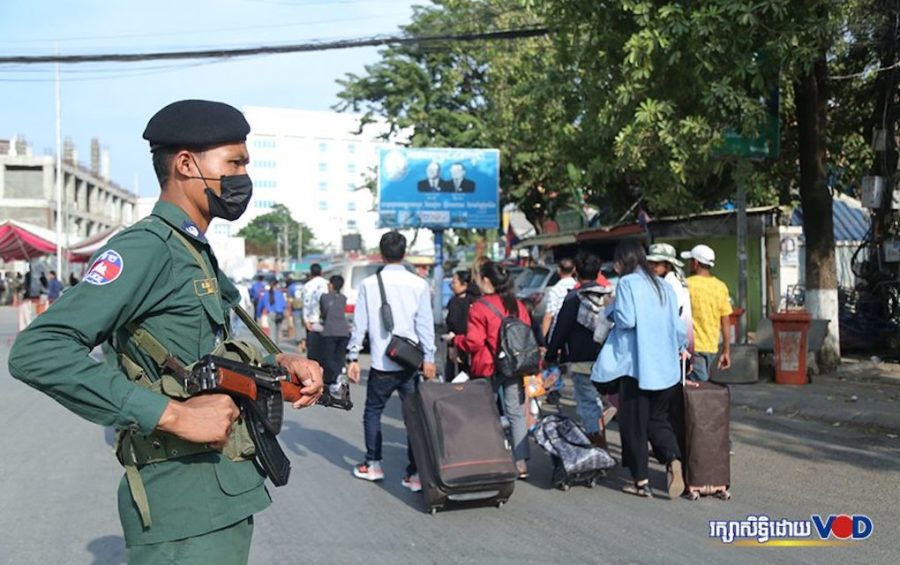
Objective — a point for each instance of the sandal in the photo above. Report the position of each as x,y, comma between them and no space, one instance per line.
674,479
643,490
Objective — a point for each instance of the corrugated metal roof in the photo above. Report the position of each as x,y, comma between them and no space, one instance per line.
851,220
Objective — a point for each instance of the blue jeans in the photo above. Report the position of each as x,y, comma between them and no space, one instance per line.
587,402
702,362
512,396
379,388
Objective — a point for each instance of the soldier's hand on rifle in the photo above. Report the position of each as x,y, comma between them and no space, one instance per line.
206,418
309,375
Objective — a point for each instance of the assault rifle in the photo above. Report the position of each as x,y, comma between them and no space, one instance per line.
260,393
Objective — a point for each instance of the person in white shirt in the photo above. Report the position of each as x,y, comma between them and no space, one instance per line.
409,297
557,294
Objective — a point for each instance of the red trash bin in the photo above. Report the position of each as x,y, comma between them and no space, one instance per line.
734,321
791,337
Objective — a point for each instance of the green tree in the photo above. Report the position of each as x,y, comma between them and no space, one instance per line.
266,234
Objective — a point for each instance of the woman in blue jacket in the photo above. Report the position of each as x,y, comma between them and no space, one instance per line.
640,360
272,304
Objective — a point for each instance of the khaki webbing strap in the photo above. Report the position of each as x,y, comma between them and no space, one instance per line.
135,484
257,331
196,254
148,344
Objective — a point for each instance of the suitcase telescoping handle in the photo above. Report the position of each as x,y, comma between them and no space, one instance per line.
682,363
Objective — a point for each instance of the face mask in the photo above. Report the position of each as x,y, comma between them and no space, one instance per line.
236,193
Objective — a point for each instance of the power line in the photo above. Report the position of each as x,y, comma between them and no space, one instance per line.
274,50
866,73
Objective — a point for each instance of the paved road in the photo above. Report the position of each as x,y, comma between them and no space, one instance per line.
57,497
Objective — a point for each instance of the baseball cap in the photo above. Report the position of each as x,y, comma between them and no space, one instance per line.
664,253
702,253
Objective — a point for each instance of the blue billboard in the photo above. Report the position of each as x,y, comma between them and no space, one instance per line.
438,188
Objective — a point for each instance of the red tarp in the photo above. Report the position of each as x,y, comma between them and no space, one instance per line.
20,241
82,251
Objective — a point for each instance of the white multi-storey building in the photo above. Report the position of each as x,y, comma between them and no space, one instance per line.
316,164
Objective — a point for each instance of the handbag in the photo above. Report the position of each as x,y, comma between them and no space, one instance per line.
400,350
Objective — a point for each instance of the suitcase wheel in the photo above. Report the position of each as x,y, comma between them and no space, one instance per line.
694,495
433,510
724,495
500,503
564,486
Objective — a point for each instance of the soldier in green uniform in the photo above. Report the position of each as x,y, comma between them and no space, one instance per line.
191,487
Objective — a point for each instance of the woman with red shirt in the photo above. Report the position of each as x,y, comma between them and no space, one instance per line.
481,342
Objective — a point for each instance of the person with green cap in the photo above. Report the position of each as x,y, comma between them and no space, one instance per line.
155,296
663,259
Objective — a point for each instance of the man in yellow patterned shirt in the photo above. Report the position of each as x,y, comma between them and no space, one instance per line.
711,306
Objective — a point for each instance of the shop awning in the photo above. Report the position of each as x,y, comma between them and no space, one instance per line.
618,232
547,240
82,251
20,241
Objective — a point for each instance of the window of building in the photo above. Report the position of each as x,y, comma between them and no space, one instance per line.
351,206
323,205
323,186
351,149
264,204
323,167
351,168
264,143
323,147
223,229
351,187
351,224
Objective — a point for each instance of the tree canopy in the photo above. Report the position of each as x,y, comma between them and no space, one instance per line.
266,234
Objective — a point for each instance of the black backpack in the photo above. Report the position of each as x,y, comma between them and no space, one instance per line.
517,353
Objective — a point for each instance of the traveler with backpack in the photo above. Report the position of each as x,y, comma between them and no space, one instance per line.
572,341
502,347
641,359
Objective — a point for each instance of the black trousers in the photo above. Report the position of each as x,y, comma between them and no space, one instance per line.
334,355
647,415
315,346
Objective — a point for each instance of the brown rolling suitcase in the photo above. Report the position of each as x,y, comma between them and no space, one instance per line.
459,446
706,425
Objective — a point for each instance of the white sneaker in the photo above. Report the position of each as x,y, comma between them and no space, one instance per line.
368,471
412,482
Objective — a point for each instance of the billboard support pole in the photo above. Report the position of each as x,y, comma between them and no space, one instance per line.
438,275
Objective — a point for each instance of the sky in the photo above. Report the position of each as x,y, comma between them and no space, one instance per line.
113,101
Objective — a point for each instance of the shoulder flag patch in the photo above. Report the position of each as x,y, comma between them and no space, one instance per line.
105,269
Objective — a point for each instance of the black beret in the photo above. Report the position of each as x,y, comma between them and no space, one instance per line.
196,123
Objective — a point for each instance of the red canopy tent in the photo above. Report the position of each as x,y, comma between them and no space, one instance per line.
82,251
20,241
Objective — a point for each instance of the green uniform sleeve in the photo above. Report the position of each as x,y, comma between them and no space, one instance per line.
51,355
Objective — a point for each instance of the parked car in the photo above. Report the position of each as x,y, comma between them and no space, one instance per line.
533,283
353,273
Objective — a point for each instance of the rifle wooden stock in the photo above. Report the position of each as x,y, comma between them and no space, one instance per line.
236,383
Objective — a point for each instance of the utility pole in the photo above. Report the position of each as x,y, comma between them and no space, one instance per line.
59,176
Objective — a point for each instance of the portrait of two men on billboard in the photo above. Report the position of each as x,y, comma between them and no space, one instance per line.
433,182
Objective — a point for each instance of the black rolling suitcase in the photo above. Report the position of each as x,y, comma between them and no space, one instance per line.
460,449
706,426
